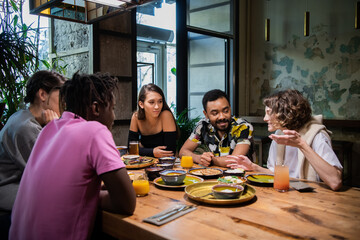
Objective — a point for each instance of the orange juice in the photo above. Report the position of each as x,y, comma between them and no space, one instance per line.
281,178
141,187
187,162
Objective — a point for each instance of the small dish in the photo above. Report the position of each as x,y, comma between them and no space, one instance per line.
235,172
227,191
261,179
206,173
173,177
165,165
232,180
167,160
153,172
189,180
130,157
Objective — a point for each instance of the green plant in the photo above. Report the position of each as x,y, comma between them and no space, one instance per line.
185,124
18,50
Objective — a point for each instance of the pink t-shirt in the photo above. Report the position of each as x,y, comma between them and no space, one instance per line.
59,191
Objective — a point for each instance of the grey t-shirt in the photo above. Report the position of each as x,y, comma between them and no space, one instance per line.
17,139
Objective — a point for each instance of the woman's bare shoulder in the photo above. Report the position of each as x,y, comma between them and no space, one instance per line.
134,122
166,114
168,121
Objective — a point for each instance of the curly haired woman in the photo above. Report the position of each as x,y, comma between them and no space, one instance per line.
301,141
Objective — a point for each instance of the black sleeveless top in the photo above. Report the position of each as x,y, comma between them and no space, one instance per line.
150,142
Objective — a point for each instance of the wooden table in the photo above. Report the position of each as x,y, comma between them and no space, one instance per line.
322,214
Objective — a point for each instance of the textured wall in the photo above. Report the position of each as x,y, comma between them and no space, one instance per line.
325,66
71,45
70,35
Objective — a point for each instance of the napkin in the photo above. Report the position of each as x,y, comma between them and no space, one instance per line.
156,219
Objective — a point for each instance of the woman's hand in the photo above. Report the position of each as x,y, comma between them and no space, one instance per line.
160,152
290,138
239,161
47,115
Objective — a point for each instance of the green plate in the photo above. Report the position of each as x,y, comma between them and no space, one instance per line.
198,192
261,178
189,179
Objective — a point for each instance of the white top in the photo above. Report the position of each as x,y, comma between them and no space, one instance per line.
321,145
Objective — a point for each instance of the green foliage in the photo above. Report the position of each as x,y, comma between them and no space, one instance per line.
185,124
18,56
55,65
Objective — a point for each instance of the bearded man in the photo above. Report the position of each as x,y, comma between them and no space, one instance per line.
220,134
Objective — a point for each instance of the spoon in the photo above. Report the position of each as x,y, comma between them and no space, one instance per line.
210,193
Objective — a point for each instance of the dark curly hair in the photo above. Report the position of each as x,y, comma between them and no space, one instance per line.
290,108
213,95
47,80
142,96
78,94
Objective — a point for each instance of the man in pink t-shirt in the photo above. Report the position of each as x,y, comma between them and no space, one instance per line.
60,190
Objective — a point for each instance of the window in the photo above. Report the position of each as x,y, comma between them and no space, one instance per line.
208,63
156,47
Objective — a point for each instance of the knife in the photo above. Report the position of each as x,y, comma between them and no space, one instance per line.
172,213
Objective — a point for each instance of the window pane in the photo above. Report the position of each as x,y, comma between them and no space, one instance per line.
145,68
206,68
214,15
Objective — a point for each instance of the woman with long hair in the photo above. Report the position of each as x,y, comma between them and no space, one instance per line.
153,124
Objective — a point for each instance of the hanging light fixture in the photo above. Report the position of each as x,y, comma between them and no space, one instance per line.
83,11
306,21
357,16
267,23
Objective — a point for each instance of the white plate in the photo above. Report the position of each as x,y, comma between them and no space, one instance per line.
130,157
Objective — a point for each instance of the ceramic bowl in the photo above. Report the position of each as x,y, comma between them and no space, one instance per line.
170,160
173,177
153,172
235,172
165,165
226,191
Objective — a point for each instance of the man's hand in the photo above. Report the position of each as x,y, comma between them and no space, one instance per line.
206,158
159,152
47,115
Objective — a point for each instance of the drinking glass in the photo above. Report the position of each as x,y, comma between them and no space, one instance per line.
122,150
281,178
186,162
141,184
134,147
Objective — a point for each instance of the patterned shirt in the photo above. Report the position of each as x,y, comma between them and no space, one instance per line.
240,132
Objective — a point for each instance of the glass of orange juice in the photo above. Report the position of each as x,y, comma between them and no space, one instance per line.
281,178
186,162
141,184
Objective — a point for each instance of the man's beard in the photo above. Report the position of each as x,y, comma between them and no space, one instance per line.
222,129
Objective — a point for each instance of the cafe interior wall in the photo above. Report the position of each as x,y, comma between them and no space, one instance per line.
324,66
105,46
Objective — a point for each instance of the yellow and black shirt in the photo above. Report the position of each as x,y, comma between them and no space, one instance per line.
240,132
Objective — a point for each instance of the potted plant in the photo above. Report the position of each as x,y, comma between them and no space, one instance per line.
185,124
19,59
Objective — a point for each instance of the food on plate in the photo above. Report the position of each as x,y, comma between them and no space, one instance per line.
138,160
235,171
232,180
206,171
